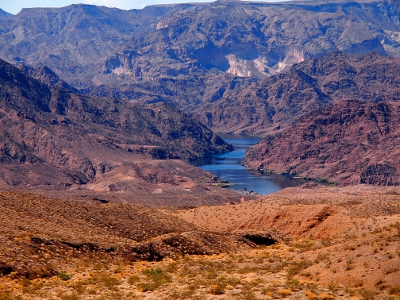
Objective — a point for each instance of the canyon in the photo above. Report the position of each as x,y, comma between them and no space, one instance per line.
102,110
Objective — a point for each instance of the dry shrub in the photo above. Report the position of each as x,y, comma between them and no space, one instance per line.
218,286
70,296
368,294
324,296
297,267
284,293
310,295
157,278
9,296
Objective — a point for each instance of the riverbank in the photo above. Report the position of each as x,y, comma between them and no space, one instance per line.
229,167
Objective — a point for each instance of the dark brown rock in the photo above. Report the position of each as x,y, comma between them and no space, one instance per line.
113,50
277,102
53,136
348,143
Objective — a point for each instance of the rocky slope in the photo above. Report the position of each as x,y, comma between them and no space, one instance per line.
280,100
188,92
4,14
88,46
348,143
51,135
340,235
46,75
72,40
62,232
325,243
249,40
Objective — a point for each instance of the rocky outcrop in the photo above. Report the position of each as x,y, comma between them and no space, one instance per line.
277,102
348,143
380,174
46,75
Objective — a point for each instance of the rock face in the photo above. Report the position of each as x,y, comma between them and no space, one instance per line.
280,100
47,76
248,40
50,135
88,45
71,40
350,142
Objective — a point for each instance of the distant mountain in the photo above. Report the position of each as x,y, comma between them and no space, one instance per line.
4,14
277,102
256,40
73,40
52,136
350,142
89,46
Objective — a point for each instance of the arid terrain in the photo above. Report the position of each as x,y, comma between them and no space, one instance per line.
308,242
102,110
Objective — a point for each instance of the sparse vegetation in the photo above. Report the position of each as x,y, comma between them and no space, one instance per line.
157,278
303,267
64,276
9,296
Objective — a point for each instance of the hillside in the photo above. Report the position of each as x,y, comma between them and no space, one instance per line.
350,142
277,102
52,136
341,237
61,233
89,46
309,242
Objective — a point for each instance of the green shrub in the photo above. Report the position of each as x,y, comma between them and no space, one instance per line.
368,294
109,281
64,276
157,276
297,267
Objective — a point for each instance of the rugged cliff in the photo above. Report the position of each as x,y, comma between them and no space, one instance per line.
348,143
88,45
280,100
50,135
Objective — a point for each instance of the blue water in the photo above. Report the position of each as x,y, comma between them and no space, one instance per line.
228,167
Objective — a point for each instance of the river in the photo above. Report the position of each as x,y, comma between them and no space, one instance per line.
228,167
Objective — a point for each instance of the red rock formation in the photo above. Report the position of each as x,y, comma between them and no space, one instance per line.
350,142
52,136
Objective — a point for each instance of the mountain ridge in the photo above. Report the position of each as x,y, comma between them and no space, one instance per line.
349,143
281,99
254,42
56,136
